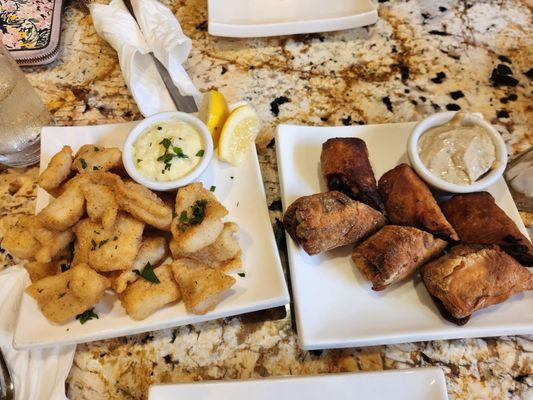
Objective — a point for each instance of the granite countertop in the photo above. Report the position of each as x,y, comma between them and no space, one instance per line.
420,57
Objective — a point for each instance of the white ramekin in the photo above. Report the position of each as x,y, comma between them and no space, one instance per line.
439,119
134,173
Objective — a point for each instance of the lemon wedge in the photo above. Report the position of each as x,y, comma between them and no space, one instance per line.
238,134
214,111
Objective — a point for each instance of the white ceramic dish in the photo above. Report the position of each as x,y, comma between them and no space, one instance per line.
335,306
440,119
134,173
259,18
408,384
239,189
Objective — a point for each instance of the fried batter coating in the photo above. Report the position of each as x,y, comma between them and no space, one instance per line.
57,171
101,204
409,202
116,249
52,242
142,298
325,221
394,253
478,220
38,270
143,204
63,296
224,253
346,168
96,158
472,277
64,211
197,223
202,287
153,250
86,232
18,241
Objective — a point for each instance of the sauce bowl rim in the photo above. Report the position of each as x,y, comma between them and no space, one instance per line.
173,184
439,119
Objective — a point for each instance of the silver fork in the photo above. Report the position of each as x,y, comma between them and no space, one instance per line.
7,388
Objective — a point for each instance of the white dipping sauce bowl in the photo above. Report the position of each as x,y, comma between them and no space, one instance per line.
136,175
439,119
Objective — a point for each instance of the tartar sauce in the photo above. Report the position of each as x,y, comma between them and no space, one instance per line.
458,152
168,150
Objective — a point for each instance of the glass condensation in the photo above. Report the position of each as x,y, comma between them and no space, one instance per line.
22,115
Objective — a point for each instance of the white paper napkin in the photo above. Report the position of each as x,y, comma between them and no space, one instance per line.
37,374
164,37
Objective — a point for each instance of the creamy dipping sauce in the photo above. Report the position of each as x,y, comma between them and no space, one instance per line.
168,150
458,152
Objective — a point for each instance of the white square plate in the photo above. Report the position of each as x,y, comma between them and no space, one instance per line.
409,384
258,18
239,189
335,306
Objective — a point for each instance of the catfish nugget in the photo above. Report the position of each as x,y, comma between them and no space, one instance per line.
346,168
324,221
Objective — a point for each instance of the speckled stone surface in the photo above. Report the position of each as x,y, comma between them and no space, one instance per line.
420,57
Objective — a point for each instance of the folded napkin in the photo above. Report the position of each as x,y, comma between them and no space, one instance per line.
160,33
37,374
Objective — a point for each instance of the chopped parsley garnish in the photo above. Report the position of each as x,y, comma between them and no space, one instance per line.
170,153
96,149
64,267
99,244
241,274
148,273
159,128
139,160
212,188
200,153
86,316
83,163
198,215
96,167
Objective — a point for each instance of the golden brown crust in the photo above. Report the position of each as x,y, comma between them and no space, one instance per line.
409,202
324,221
394,253
477,219
346,168
472,277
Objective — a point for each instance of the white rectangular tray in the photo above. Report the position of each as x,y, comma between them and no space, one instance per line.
239,189
335,306
409,384
258,18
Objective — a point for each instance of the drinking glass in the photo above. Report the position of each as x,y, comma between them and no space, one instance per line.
22,115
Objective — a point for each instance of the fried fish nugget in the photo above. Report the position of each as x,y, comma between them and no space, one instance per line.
64,211
202,287
142,298
101,204
86,232
143,204
63,296
198,218
18,242
38,270
96,158
117,248
224,253
57,171
153,250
